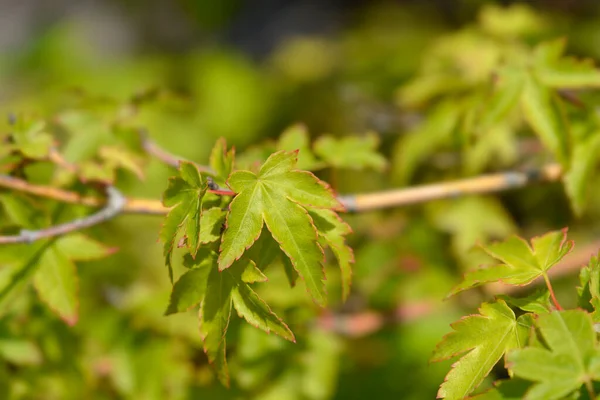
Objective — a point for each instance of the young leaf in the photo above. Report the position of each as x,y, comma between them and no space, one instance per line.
296,138
485,338
224,289
80,247
572,357
589,292
221,161
213,221
184,194
189,290
563,73
537,302
56,283
353,152
521,263
254,310
31,138
509,86
542,112
332,229
277,197
586,154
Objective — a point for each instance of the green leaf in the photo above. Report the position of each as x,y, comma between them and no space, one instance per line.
79,247
277,196
537,302
56,283
213,221
227,288
589,291
542,112
521,263
352,152
418,145
21,352
215,312
31,138
189,290
333,230
254,310
296,138
566,364
513,389
508,88
485,338
184,194
119,157
560,72
586,154
221,161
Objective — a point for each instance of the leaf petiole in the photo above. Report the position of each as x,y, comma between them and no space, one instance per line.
552,296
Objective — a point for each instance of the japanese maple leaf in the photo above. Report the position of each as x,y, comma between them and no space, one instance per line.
484,338
219,292
184,194
571,360
278,196
521,263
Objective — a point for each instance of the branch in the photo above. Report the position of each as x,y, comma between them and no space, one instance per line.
114,206
353,203
154,150
132,206
482,184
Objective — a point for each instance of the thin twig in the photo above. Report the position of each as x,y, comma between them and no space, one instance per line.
132,206
114,206
482,184
156,151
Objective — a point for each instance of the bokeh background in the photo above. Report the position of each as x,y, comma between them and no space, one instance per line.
246,70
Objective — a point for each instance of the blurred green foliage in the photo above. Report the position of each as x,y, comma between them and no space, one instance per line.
403,71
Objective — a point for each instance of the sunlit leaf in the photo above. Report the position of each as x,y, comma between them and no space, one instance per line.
560,72
333,230
571,359
542,112
586,156
31,138
184,194
221,161
276,196
213,221
296,138
589,291
485,338
521,263
56,283
352,152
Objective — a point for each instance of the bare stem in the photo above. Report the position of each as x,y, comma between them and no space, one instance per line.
481,184
114,206
170,159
